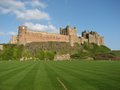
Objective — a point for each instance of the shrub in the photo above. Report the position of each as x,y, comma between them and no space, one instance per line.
11,51
44,55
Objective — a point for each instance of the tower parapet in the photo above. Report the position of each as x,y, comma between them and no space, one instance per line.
22,34
22,30
93,37
71,32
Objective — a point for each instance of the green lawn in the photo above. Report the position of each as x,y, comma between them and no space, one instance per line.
60,75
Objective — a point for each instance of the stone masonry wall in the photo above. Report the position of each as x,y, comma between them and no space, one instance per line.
67,34
44,37
13,40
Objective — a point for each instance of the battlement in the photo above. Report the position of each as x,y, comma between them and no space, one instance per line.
93,37
22,29
67,34
68,31
85,33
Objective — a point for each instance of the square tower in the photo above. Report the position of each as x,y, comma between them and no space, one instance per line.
22,34
71,32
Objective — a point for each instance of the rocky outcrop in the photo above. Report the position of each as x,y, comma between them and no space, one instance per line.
1,47
62,57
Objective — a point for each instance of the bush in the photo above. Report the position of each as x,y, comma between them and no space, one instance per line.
90,50
44,55
49,55
40,55
11,52
81,55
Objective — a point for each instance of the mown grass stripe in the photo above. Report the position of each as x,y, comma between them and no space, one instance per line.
27,83
5,66
14,80
8,74
42,81
2,73
91,79
9,68
60,74
63,85
68,79
91,69
51,74
75,75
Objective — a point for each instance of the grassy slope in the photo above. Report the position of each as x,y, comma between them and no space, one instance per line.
75,75
116,52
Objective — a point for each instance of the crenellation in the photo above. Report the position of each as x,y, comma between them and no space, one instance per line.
93,37
67,34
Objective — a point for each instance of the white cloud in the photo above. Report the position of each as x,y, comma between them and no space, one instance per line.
78,35
39,27
20,9
7,6
4,10
12,33
36,3
34,14
11,4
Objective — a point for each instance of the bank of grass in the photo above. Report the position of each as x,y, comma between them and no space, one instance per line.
50,75
92,51
47,51
16,52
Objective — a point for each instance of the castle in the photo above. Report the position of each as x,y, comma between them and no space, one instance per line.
67,34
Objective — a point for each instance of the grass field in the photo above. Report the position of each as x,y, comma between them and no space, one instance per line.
60,75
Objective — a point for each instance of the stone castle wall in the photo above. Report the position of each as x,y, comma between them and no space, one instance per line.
92,37
13,40
27,36
44,37
67,34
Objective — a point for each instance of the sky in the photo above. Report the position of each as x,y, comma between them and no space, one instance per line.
102,16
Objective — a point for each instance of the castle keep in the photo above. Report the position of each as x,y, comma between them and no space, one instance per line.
67,34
